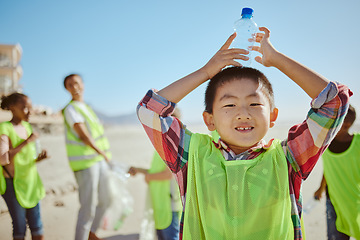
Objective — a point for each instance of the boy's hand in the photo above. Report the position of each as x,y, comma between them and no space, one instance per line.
266,48
225,57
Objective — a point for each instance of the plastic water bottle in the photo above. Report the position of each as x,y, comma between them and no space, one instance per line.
37,147
245,29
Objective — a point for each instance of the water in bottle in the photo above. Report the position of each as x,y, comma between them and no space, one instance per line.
245,29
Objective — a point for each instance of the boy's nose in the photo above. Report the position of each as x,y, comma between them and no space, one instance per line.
243,115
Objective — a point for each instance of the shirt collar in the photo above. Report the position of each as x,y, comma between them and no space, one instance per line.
254,151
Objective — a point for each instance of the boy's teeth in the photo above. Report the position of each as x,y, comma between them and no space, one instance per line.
246,128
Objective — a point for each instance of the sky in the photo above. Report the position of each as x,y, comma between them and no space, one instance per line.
122,48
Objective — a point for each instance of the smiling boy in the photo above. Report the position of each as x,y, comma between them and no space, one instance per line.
241,187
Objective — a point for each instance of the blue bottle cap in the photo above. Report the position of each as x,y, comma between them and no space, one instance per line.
247,11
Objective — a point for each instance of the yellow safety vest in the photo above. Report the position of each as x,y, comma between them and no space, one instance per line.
161,195
244,199
342,174
28,187
80,155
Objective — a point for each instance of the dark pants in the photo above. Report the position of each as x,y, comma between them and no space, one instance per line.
20,216
172,231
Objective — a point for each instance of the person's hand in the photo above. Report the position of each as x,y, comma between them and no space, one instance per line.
133,171
225,57
43,155
266,48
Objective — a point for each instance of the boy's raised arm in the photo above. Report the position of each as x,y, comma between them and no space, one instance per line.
224,57
311,82
315,133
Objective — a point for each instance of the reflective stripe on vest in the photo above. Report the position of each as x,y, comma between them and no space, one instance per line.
68,141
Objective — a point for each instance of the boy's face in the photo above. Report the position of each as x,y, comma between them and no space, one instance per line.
241,114
75,87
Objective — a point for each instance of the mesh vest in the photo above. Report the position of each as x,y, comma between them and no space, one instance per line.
28,187
243,199
342,174
80,155
161,195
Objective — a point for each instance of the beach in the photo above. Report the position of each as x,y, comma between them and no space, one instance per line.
129,145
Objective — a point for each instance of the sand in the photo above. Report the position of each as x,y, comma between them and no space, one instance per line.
129,145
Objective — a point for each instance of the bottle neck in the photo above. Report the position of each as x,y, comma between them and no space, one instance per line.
246,16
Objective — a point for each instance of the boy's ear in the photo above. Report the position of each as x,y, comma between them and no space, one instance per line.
209,121
273,117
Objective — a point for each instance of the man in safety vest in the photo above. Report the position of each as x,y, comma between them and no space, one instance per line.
87,148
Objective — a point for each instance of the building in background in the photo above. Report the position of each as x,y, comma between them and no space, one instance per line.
10,69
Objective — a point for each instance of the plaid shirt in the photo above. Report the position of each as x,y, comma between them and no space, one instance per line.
303,147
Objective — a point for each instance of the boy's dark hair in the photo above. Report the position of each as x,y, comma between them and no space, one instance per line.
350,115
70,76
7,101
232,73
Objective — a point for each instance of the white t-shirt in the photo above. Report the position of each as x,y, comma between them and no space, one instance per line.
72,116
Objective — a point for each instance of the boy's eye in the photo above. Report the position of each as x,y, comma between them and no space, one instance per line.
255,104
229,105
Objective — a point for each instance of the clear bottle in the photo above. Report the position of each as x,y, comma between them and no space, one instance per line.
37,147
245,29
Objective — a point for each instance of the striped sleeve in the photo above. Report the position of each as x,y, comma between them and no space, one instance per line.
168,134
307,141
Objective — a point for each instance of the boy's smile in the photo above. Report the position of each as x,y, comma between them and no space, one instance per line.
241,114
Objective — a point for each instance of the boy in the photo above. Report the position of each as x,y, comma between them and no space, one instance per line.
341,181
240,187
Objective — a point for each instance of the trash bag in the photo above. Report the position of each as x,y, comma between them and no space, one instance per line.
122,203
147,227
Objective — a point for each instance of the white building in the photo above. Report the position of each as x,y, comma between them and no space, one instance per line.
10,70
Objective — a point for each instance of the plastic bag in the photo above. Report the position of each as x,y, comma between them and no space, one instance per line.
147,228
122,203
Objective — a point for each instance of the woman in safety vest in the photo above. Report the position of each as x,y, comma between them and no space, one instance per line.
20,183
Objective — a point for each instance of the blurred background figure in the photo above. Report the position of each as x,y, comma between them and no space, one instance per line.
88,153
20,183
341,182
164,194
